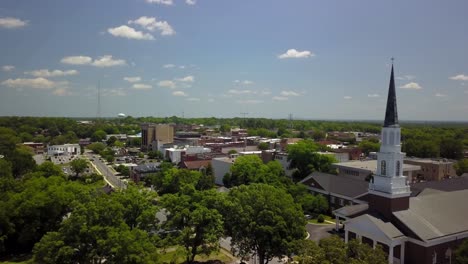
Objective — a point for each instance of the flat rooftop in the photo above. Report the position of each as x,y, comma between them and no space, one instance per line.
369,165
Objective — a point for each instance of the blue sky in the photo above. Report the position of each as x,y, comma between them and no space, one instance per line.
313,59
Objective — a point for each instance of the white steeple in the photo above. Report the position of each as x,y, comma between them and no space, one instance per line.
389,180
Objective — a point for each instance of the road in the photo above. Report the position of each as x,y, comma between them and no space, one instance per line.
106,172
318,232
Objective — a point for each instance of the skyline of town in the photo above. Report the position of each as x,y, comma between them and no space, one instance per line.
318,61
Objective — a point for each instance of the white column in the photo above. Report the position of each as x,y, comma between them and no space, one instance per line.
390,254
402,253
375,244
337,219
346,236
359,238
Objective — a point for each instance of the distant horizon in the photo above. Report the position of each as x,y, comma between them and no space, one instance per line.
84,118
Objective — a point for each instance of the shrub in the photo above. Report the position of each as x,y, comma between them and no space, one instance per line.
320,218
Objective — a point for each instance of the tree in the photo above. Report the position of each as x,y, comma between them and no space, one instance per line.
461,166
22,161
96,147
48,169
335,249
363,253
250,169
155,154
111,141
263,220
308,252
301,155
368,146
263,146
461,253
35,208
78,166
200,225
98,136
97,231
451,148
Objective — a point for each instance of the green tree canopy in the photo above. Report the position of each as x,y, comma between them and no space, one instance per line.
199,224
78,166
461,166
97,231
264,220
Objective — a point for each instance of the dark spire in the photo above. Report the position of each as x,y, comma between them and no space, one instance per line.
391,114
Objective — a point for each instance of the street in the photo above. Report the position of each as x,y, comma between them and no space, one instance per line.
106,172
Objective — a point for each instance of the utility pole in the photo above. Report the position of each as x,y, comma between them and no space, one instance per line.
243,115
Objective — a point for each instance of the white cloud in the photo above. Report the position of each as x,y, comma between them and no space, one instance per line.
211,100
459,77
114,92
141,86
77,60
36,83
406,77
280,98
103,61
107,61
292,53
234,91
132,79
161,2
247,82
61,92
167,84
193,99
373,95
190,2
290,93
411,85
167,66
182,67
179,93
11,22
151,24
250,101
189,78
8,68
55,73
440,95
129,32
347,97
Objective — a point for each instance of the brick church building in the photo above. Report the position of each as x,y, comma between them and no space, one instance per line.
422,229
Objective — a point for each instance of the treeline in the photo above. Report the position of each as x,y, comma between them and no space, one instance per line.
424,140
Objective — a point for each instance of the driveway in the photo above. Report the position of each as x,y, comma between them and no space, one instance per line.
318,232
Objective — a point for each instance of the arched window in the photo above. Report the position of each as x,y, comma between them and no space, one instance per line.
383,168
392,138
398,167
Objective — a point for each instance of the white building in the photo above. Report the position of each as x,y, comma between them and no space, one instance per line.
221,166
66,149
175,153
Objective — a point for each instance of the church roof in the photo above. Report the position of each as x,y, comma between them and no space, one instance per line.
372,226
338,185
436,215
391,113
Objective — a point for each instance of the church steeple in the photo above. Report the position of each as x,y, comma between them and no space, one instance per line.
389,191
391,113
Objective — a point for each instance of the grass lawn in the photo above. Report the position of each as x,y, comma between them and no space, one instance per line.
326,217
177,256
24,259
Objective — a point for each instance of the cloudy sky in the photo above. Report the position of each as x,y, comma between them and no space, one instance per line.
268,58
